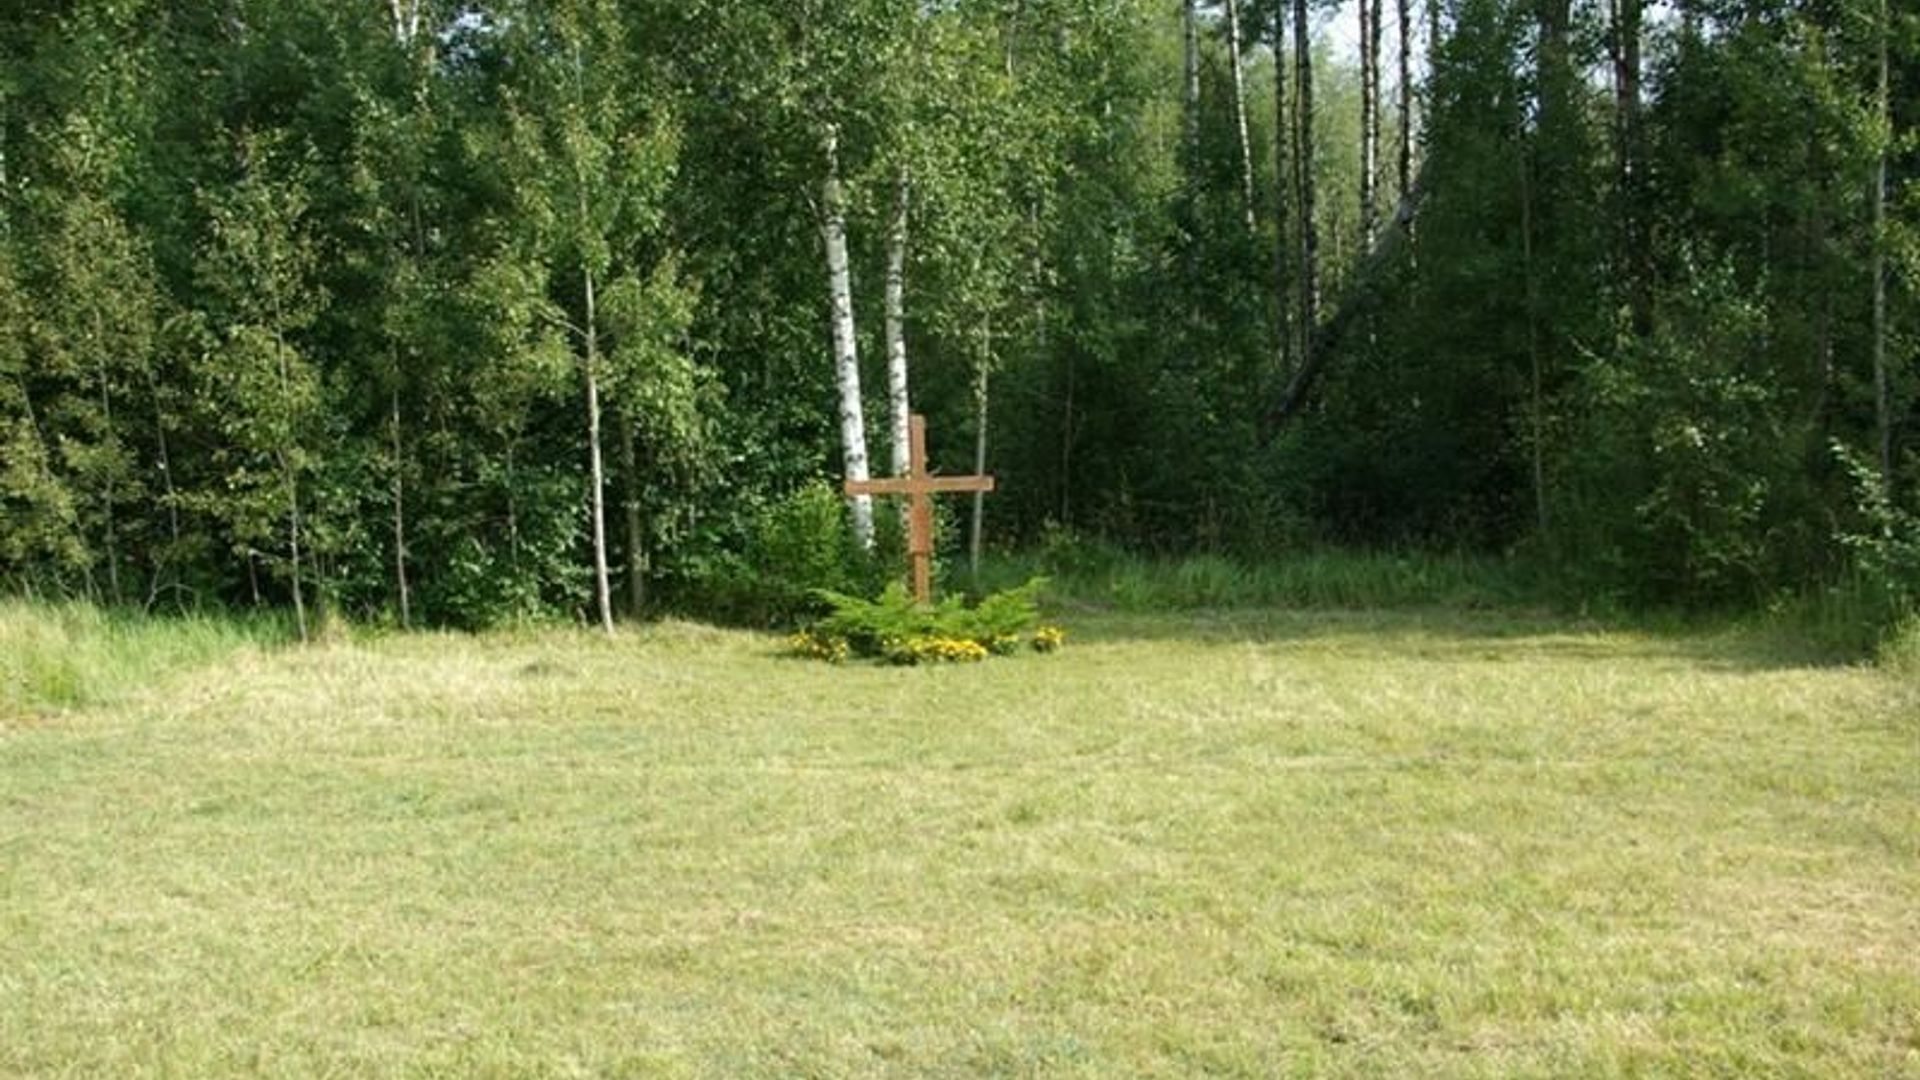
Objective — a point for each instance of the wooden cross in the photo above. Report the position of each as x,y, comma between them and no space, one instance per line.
919,485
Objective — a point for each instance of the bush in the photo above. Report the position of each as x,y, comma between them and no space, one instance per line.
897,629
799,548
1885,550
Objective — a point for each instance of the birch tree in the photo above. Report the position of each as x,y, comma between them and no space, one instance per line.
1370,12
899,402
1305,229
1244,142
593,166
846,346
266,392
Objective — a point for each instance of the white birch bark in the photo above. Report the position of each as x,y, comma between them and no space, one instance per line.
406,19
400,517
846,350
1240,111
603,592
1405,163
977,528
1369,121
1191,29
899,405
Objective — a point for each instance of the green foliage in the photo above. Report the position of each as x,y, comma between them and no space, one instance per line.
797,547
1100,576
1886,553
272,259
896,628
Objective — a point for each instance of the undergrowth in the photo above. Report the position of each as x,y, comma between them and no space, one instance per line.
900,630
70,655
1091,573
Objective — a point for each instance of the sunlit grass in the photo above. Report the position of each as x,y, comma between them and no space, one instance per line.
1244,843
66,655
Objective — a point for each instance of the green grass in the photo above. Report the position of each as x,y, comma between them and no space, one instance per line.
69,655
1089,574
1227,843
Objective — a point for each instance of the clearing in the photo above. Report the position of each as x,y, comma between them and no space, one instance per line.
1249,844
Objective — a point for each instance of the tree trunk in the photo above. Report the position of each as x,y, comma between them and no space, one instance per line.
513,512
1404,173
976,531
1635,259
899,407
1536,436
1433,37
636,547
1305,239
107,487
406,20
400,519
1882,383
1190,29
1369,121
1066,441
1283,180
603,592
171,495
291,477
293,537
846,349
1240,112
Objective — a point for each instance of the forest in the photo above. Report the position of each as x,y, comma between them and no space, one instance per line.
446,313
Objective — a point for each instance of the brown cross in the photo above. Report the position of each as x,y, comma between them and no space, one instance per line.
920,485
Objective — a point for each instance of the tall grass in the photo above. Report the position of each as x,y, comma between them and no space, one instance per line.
59,656
1094,575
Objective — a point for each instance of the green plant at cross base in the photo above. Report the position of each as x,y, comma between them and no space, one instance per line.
899,630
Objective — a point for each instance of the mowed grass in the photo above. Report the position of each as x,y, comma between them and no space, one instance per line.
1255,844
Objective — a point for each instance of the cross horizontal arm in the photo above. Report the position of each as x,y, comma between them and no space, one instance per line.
932,485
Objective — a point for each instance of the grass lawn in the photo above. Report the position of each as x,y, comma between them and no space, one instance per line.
1252,844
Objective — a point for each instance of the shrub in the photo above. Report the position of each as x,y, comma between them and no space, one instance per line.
798,548
1886,551
897,629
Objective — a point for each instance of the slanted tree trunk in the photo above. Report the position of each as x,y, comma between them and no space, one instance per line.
1240,112
899,406
602,589
400,517
636,546
846,349
1305,230
1882,383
